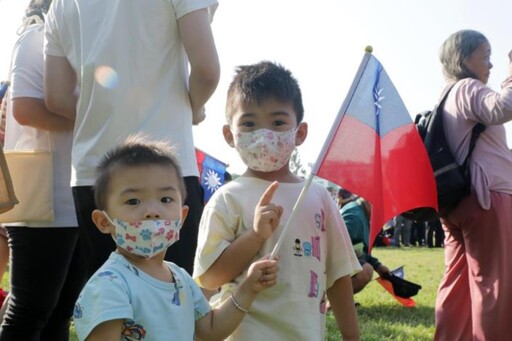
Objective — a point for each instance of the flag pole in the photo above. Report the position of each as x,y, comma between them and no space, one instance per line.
368,51
341,113
301,197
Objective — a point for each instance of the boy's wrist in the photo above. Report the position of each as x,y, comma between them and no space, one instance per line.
245,295
238,305
256,237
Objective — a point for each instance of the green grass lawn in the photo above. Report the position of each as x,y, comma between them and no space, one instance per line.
380,316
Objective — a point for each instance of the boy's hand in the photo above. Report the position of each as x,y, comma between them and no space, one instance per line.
267,215
262,275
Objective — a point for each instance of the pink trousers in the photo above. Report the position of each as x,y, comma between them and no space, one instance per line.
474,300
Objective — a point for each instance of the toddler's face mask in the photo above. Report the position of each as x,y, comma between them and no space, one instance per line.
145,238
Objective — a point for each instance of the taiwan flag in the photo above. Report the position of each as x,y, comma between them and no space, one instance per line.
375,151
211,173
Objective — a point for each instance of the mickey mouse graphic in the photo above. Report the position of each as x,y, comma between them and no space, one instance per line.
297,248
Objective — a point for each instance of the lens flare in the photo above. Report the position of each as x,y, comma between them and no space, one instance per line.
106,77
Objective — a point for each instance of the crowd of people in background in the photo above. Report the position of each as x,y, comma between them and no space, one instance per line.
399,231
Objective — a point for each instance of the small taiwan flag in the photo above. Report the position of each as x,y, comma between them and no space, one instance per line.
211,173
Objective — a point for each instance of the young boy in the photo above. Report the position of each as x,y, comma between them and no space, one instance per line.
136,294
264,114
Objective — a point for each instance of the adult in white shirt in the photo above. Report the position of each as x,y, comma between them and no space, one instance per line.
130,61
45,269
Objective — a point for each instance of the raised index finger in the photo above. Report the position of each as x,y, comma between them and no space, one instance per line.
266,198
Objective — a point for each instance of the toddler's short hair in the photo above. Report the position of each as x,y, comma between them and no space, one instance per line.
135,150
258,82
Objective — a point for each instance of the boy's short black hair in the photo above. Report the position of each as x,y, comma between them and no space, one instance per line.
135,150
258,82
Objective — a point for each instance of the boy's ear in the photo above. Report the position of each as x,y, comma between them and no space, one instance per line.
101,222
302,133
228,135
184,213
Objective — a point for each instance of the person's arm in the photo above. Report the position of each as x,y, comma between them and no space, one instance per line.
106,331
342,304
197,37
382,270
237,256
374,262
59,86
222,321
32,112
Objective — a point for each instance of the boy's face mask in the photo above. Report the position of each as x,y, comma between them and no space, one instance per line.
265,150
145,238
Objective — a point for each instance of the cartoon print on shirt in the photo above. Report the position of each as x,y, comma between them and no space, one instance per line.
307,249
133,331
179,294
132,269
315,240
313,284
320,220
107,274
77,311
297,248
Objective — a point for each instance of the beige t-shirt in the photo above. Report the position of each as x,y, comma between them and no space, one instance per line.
315,253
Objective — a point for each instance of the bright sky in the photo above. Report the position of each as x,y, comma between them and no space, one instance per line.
322,42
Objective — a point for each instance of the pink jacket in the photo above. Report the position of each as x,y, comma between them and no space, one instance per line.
469,102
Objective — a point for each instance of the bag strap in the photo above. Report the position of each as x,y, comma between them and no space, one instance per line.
475,133
445,96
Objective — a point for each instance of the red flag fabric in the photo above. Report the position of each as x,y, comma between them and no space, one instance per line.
375,151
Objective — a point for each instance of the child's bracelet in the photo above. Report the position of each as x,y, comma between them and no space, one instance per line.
237,305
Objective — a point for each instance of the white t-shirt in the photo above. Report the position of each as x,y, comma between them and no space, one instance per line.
27,81
132,71
315,253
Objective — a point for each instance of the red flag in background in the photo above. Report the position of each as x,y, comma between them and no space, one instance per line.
375,151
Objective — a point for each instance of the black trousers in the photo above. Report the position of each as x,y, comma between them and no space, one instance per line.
98,246
46,278
435,234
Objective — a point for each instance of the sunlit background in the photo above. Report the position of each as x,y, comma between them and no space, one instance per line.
322,43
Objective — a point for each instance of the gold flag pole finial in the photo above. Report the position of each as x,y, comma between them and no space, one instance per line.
368,49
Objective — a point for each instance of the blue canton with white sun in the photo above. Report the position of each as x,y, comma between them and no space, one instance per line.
212,180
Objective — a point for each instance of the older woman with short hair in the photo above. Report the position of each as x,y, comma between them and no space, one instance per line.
474,300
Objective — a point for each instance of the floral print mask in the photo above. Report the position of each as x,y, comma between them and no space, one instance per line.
265,150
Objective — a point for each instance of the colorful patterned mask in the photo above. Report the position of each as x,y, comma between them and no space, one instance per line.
265,150
146,238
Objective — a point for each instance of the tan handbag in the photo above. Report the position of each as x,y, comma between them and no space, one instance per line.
7,196
32,177
31,172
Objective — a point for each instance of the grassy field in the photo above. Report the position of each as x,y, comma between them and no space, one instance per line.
381,317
